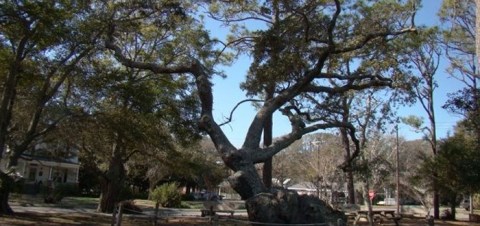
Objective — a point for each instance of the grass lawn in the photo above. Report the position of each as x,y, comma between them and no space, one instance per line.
67,202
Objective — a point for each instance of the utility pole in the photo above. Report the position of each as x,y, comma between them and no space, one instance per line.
397,171
318,178
477,31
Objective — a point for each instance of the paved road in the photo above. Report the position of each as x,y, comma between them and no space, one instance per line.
163,212
45,209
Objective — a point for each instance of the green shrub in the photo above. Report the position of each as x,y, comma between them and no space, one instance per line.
66,189
56,193
167,195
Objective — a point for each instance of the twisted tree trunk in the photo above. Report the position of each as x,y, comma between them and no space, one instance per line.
112,183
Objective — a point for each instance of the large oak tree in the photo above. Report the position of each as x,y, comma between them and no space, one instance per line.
313,35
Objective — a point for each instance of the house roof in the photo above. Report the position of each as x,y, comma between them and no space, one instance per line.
303,186
50,159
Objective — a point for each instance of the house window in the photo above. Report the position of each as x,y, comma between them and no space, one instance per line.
32,175
65,174
57,177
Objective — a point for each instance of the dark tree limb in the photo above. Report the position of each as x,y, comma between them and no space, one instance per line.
229,119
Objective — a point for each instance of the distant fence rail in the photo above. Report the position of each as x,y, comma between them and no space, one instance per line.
214,220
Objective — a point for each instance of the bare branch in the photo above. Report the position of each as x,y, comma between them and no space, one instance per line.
229,119
241,19
281,143
129,155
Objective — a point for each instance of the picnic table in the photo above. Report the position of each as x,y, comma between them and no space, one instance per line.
378,214
212,207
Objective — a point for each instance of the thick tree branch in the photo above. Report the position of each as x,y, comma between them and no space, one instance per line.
348,163
357,75
332,24
256,126
204,87
347,87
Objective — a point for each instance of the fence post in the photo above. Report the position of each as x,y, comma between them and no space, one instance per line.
119,215
214,220
113,215
155,218
430,221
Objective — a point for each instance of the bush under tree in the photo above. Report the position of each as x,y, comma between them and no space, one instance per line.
167,195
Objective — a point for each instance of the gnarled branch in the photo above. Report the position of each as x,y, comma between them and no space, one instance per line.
229,119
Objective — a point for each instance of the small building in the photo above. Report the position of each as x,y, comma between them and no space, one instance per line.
40,166
304,188
324,193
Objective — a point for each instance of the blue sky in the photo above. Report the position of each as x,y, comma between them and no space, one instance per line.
446,84
227,94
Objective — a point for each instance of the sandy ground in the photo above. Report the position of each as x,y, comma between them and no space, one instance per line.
31,213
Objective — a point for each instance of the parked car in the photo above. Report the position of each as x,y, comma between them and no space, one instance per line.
209,196
465,204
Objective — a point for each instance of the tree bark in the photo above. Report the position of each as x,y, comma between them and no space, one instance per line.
346,146
112,183
453,206
350,187
246,181
267,125
267,141
6,105
6,183
287,207
349,173
477,31
436,203
369,203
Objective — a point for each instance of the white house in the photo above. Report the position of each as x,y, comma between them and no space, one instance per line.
36,166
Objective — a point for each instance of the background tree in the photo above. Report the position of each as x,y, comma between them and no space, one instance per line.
41,46
195,166
287,164
412,156
129,112
426,59
375,167
460,45
459,41
319,163
458,162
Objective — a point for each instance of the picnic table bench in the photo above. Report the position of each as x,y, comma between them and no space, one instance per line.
380,214
212,207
